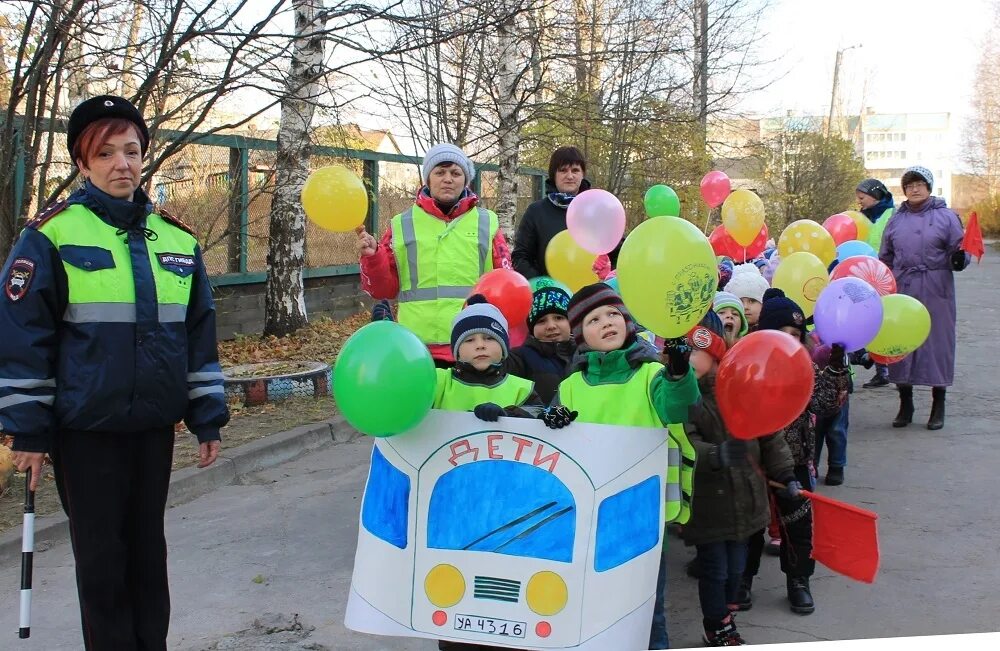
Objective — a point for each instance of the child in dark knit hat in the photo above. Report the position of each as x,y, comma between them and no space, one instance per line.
730,495
545,356
795,515
616,379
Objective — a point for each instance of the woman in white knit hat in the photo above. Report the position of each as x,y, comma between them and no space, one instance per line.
749,286
433,253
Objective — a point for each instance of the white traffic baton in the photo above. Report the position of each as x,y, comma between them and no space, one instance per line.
27,551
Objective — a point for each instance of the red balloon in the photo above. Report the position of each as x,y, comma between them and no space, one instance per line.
715,187
871,270
508,291
724,244
763,384
886,360
841,227
518,333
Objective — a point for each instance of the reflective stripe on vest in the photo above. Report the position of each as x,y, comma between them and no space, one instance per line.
99,272
631,404
454,395
439,263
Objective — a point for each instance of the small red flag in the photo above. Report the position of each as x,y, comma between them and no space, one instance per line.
845,538
972,243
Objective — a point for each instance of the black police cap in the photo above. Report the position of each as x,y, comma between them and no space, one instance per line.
103,106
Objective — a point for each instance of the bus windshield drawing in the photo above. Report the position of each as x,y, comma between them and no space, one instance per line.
506,507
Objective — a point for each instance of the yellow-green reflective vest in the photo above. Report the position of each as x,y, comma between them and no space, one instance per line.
630,404
439,263
99,269
454,395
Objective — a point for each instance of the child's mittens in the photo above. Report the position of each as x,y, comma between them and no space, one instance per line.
678,354
792,489
558,417
489,412
732,452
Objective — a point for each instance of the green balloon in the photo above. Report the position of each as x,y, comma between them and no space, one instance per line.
384,379
545,281
662,201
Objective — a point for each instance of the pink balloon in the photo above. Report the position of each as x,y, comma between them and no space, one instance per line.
596,221
715,187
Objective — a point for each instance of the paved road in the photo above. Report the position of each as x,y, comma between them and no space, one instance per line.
292,528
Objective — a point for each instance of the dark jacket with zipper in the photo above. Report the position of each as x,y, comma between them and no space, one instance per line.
729,503
546,363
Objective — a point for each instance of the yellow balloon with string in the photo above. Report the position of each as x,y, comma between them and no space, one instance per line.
570,263
335,198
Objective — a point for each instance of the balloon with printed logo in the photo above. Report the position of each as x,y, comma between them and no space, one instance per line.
596,220
871,270
808,236
906,324
855,247
508,291
848,312
864,226
384,379
569,263
841,228
802,276
715,187
335,198
764,383
661,201
743,216
668,275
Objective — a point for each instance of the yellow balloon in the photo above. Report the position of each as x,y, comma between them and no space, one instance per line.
864,226
809,236
802,276
569,263
668,275
335,198
906,324
743,215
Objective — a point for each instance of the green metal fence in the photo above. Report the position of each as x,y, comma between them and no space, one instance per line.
222,186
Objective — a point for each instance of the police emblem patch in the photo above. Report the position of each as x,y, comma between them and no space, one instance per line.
22,272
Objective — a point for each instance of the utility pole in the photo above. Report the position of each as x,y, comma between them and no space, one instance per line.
836,79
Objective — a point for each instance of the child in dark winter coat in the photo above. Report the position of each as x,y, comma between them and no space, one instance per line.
795,515
730,493
548,350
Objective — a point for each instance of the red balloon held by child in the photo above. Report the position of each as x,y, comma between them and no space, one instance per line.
508,291
763,384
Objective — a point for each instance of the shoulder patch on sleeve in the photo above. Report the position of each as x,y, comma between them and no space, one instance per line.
175,221
45,215
22,272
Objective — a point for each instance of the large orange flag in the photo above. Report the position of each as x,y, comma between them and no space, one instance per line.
972,243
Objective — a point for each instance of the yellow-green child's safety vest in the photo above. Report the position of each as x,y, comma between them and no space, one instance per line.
454,395
630,404
439,263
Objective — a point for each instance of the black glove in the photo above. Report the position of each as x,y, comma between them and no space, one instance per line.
381,311
838,358
732,452
862,358
558,417
489,412
792,489
960,260
678,353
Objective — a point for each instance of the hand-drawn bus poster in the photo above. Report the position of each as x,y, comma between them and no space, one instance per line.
512,535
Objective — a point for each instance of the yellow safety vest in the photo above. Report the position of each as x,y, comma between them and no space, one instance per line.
454,395
439,263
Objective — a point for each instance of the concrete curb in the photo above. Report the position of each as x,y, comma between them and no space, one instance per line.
188,484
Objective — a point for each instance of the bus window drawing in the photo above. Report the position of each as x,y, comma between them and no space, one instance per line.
517,536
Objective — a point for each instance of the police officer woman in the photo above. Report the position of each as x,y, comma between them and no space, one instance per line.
109,340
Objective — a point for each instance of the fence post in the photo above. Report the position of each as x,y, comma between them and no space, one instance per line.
537,186
371,175
477,184
239,206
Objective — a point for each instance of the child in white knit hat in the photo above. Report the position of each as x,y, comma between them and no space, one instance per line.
749,286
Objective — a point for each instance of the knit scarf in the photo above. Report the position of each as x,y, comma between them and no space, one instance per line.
560,199
878,209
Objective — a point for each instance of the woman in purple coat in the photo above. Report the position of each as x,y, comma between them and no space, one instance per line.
922,246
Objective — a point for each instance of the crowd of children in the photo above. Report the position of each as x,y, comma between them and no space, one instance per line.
583,360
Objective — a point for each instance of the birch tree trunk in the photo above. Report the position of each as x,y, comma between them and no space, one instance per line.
284,306
508,125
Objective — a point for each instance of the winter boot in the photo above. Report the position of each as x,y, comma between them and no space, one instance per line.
744,596
905,415
878,381
722,633
799,596
937,409
834,476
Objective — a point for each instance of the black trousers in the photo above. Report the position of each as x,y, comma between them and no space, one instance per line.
113,487
795,519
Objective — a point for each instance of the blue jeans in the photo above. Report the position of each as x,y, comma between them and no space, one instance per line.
658,632
722,566
833,429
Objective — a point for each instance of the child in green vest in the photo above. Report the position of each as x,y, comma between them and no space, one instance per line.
617,379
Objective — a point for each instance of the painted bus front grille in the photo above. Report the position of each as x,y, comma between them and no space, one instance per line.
488,587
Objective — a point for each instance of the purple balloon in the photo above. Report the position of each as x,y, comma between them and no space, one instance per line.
848,312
